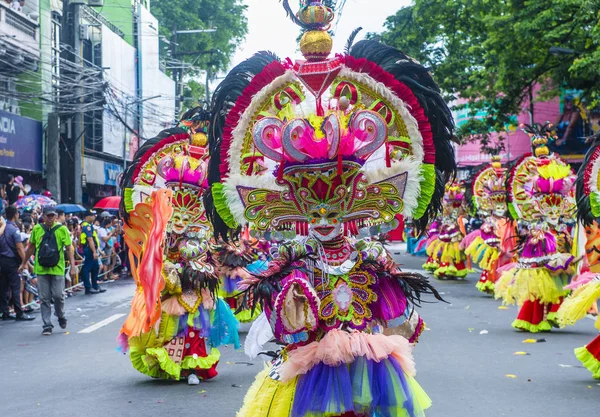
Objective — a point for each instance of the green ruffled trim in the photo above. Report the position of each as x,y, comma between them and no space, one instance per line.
202,362
512,211
128,199
246,316
451,271
552,318
159,358
430,266
595,204
486,287
221,206
589,361
544,326
427,189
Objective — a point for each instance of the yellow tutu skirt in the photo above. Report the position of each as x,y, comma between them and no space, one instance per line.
518,285
576,305
482,254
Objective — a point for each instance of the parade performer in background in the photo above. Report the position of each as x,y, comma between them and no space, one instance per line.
483,245
349,141
540,191
433,260
586,286
176,321
446,248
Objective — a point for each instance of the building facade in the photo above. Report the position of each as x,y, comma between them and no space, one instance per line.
81,87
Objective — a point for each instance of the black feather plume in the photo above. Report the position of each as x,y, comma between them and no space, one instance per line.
351,39
415,285
416,77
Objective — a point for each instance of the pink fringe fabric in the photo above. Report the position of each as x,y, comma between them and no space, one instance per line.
172,307
468,239
338,347
580,280
506,267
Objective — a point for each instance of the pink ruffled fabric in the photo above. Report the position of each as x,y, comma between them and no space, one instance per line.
338,347
172,307
506,267
580,280
468,239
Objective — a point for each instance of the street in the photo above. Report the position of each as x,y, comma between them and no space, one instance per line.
466,362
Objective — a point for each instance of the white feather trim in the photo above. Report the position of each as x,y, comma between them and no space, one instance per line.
413,168
259,335
399,106
235,203
243,126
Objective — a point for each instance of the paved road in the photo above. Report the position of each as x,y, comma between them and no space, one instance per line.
74,374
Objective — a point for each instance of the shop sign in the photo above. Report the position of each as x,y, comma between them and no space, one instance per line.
20,142
111,173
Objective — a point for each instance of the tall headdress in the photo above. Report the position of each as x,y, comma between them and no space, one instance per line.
541,184
362,136
588,188
489,188
177,160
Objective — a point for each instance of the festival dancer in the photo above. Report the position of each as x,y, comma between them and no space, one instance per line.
484,245
176,321
340,306
452,260
540,189
586,286
433,261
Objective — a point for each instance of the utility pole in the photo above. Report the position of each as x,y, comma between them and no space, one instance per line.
78,119
53,156
179,69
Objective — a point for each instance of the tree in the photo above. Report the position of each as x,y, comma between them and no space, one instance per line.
493,53
208,50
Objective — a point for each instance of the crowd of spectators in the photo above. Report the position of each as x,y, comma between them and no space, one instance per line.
90,248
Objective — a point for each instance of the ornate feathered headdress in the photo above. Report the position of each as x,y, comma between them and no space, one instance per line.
588,190
176,160
541,184
489,188
364,136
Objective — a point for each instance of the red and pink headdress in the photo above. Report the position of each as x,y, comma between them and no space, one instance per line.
366,132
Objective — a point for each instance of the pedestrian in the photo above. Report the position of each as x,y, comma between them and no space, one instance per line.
12,190
49,240
12,255
91,244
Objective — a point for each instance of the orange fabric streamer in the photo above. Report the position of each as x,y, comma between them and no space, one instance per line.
144,235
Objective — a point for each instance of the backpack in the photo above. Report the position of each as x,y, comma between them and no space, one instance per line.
48,253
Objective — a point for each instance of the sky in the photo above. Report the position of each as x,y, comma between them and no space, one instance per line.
270,29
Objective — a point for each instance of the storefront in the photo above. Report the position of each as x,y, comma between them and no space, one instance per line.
21,149
101,180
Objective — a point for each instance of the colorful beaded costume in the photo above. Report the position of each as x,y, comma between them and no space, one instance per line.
317,150
176,321
586,286
445,250
540,190
484,245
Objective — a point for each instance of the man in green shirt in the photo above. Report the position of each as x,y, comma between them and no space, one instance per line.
51,279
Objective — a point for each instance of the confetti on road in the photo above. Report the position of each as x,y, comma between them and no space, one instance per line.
467,307
502,308
529,341
471,329
483,332
521,353
510,376
202,391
